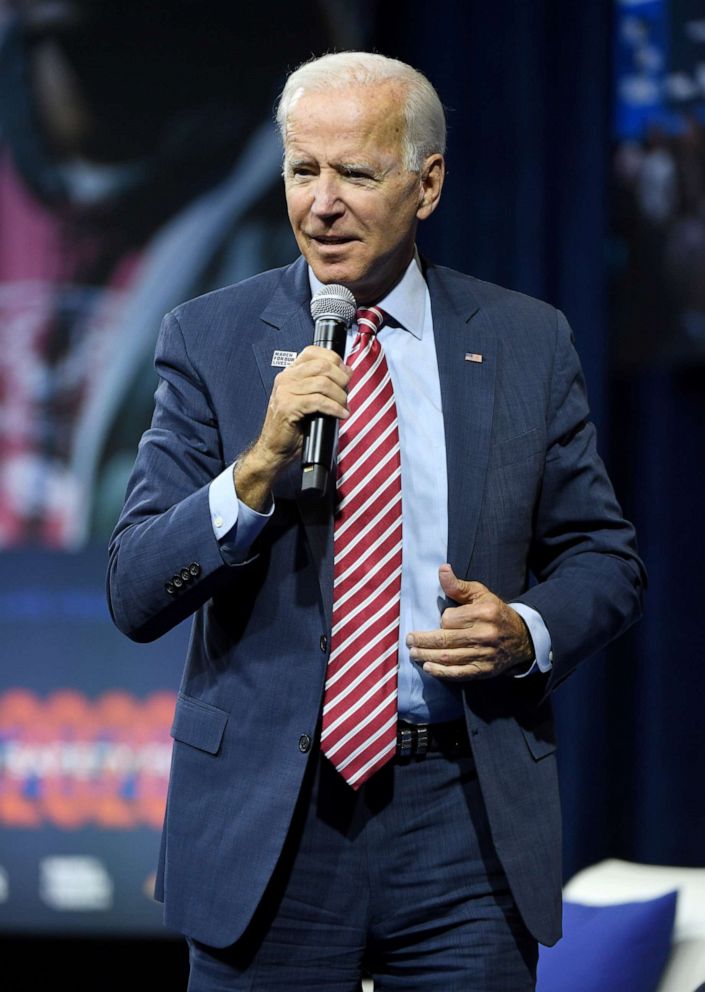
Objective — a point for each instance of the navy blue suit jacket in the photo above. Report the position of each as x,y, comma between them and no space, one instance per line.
531,513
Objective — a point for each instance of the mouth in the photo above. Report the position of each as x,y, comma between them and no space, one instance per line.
331,240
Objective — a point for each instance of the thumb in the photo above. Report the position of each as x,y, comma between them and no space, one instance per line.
458,589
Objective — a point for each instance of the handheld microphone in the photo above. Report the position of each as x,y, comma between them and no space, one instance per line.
333,310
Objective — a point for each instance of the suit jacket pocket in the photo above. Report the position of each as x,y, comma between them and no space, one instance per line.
541,739
515,449
198,724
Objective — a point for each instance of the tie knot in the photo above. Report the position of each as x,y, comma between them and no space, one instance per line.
369,319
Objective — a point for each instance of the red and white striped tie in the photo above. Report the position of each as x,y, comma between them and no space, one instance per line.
360,700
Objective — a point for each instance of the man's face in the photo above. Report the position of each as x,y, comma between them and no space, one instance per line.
352,204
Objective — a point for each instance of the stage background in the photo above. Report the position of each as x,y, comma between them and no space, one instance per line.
575,174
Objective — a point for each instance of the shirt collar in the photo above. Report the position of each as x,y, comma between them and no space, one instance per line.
405,303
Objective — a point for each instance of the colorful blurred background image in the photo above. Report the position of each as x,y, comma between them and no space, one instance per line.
139,166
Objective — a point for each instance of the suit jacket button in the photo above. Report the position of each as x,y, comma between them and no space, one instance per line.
178,581
324,643
186,574
304,743
170,588
194,568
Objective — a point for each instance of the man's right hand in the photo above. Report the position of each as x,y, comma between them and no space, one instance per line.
316,382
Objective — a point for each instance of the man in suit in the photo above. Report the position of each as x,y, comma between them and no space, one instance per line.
441,869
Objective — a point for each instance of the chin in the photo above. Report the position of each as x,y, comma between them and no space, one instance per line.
329,272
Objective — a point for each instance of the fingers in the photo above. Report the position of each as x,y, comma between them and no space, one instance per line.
316,361
458,589
482,657
316,382
483,669
464,663
480,638
448,648
470,616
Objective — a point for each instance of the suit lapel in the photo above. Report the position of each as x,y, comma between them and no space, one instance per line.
289,328
460,328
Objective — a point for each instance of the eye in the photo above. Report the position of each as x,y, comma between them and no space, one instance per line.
357,174
301,171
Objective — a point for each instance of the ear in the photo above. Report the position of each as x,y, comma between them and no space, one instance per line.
433,173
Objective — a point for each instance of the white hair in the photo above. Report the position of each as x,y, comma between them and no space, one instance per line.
424,117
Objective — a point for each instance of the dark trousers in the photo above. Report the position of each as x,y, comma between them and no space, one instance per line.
398,881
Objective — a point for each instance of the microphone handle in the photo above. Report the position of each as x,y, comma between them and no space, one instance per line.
319,439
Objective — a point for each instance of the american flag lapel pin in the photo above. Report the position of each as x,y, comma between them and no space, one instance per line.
472,356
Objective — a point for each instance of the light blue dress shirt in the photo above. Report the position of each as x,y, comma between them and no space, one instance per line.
407,340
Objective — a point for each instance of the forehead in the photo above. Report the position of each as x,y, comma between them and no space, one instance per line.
358,116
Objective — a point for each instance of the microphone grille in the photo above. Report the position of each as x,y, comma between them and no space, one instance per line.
334,301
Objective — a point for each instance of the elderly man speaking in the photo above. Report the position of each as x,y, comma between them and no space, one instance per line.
364,774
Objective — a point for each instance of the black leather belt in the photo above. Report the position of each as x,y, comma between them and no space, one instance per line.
416,739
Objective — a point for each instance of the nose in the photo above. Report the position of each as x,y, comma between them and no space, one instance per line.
326,202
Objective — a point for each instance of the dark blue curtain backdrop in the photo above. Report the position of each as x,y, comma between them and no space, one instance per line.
529,92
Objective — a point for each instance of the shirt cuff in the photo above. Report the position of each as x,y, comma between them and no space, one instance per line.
236,525
543,655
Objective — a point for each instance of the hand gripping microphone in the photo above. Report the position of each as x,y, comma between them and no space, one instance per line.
333,311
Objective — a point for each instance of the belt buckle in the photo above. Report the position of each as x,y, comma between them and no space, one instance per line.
405,741
412,740
422,740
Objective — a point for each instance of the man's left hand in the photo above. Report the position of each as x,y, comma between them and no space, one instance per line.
480,638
